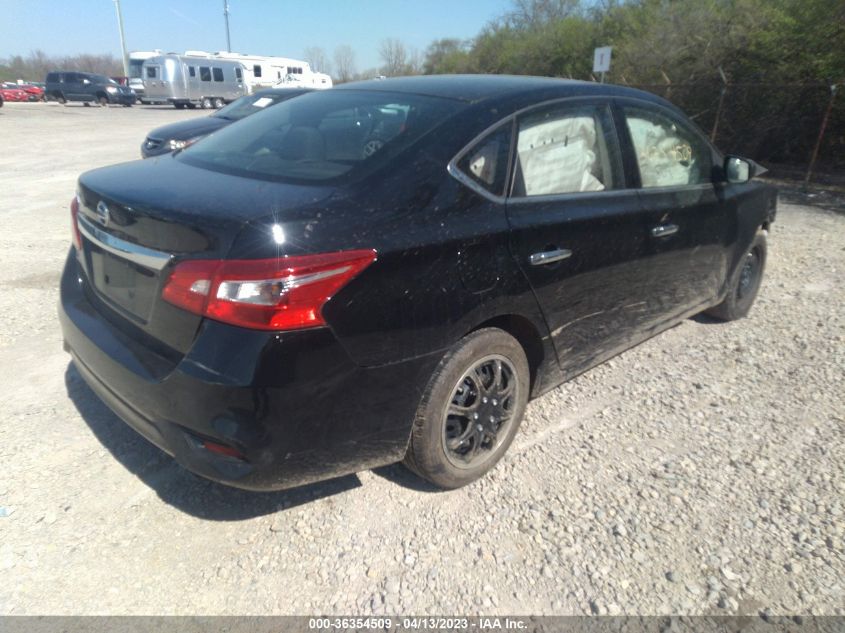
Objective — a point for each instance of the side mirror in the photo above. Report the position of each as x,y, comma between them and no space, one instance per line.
738,170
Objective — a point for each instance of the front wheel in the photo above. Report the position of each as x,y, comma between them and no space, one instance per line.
206,103
745,283
471,409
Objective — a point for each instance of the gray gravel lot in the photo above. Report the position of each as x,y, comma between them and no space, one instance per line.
702,472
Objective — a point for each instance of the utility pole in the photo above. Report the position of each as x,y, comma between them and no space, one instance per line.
122,39
226,15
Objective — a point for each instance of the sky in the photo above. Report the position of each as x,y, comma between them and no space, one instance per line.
261,27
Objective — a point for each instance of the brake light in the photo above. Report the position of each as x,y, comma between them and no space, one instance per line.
76,236
282,293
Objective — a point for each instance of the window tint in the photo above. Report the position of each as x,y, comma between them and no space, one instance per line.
668,153
205,73
567,150
218,74
151,71
322,136
256,70
487,162
192,71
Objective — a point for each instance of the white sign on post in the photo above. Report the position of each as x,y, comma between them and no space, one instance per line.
601,59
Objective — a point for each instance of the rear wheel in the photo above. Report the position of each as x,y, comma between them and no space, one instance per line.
745,283
103,100
471,409
218,103
206,104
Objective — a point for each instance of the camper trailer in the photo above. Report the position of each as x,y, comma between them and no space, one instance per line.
136,63
192,80
264,72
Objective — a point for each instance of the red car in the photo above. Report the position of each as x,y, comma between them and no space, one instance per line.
35,93
14,94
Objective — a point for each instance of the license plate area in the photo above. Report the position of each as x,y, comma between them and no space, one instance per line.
128,286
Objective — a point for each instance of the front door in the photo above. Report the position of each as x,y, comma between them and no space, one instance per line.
689,223
578,231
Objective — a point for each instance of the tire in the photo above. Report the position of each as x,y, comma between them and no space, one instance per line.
745,283
61,98
206,104
218,103
452,450
103,100
191,106
179,106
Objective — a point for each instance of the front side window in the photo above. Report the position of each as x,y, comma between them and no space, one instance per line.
487,162
668,154
566,150
218,74
205,73
151,72
238,75
192,71
256,70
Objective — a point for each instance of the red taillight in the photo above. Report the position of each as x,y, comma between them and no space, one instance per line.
282,293
74,225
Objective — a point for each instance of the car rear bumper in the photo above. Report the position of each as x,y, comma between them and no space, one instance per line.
294,405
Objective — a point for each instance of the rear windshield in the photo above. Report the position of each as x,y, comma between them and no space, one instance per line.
321,136
251,104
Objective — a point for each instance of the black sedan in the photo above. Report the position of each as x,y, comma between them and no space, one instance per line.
390,270
169,138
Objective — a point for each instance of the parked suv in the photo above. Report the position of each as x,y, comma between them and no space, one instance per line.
87,87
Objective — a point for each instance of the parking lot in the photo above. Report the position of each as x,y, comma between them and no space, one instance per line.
701,472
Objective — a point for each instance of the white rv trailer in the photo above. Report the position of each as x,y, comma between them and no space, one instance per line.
136,62
191,80
263,71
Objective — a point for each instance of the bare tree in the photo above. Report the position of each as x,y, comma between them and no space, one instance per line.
344,62
316,57
395,57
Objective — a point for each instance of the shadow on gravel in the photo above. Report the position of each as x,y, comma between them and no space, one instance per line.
398,474
175,485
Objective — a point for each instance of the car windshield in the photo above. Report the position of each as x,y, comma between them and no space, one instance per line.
322,136
251,104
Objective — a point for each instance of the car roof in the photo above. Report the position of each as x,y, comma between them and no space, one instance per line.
478,88
282,91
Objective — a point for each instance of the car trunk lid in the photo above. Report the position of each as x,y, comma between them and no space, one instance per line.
137,220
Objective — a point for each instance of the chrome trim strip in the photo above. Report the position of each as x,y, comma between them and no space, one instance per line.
140,255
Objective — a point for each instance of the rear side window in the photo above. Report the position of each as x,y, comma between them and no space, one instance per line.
238,75
566,150
218,74
192,71
205,73
256,70
322,136
668,153
151,72
486,163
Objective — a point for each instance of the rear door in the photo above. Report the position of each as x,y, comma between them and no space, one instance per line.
689,222
578,230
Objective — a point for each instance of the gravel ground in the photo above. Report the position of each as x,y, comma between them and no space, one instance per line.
701,472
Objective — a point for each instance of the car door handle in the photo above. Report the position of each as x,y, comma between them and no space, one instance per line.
549,257
663,230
